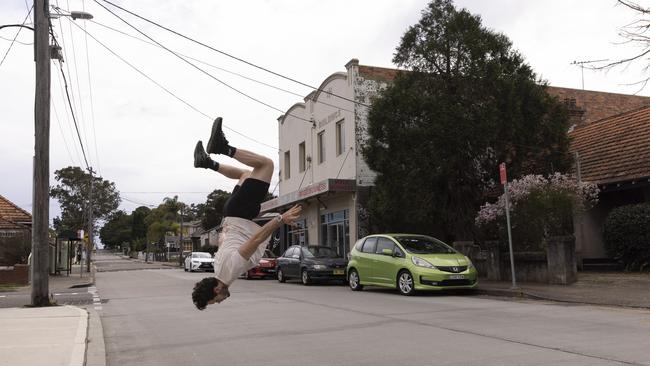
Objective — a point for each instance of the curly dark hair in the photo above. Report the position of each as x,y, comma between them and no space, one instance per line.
204,292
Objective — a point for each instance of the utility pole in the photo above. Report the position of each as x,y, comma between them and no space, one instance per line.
90,220
41,200
180,242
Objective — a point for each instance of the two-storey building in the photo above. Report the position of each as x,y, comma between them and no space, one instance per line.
321,164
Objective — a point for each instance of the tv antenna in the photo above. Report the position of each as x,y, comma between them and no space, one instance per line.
582,68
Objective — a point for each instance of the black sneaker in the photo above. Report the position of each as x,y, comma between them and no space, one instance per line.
201,159
217,143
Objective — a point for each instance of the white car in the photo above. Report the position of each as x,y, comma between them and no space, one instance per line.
199,261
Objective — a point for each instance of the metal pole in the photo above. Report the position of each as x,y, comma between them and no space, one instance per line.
180,241
90,220
512,257
41,169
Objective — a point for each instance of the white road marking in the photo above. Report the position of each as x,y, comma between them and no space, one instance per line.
97,301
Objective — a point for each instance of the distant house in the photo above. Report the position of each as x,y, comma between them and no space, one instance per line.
614,152
203,237
15,232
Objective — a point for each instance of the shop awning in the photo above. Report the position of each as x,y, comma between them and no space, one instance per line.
312,190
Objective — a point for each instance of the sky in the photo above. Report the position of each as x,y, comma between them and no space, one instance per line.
138,135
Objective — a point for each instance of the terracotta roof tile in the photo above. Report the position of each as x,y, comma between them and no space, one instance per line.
615,149
12,216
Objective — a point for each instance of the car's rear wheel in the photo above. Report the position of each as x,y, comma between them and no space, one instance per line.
405,283
304,276
354,281
281,277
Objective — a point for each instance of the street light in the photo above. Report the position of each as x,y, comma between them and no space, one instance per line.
80,15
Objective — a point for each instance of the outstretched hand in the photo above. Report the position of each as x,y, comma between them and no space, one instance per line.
291,215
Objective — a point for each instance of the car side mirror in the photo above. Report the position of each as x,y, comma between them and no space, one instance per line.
388,252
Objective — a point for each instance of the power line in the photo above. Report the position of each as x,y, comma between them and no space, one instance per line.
29,9
200,69
76,76
219,68
69,94
169,91
14,40
90,93
65,142
67,116
16,36
136,202
73,116
229,55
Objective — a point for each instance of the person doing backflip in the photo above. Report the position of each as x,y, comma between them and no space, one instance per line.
244,241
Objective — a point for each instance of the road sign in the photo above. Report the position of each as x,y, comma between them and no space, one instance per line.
502,173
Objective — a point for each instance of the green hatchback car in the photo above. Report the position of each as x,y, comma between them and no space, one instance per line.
408,262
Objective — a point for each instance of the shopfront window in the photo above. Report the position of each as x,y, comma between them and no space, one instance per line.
297,234
335,232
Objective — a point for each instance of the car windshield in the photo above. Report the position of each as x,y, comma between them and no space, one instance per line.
319,252
201,255
424,245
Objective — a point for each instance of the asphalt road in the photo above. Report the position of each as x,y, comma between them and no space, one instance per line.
149,319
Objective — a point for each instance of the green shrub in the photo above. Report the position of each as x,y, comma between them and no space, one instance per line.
627,235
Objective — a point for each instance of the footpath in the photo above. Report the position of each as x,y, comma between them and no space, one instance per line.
73,335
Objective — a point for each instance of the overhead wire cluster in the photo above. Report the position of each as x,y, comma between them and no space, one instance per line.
75,108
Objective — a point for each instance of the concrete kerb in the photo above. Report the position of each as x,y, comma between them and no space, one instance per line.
519,293
96,348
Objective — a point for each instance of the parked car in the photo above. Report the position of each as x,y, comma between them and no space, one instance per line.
311,263
266,267
199,261
409,263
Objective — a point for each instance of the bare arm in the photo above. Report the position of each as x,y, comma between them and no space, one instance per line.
250,246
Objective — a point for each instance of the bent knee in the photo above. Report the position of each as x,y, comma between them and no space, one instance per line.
266,163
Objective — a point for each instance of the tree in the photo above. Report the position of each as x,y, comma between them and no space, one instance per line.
118,230
73,191
437,133
213,209
636,34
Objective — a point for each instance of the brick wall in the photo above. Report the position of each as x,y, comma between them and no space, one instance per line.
18,274
598,105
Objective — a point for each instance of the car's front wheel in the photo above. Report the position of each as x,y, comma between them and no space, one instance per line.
405,283
304,276
354,281
281,277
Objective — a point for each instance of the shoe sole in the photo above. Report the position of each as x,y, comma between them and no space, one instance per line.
216,126
198,148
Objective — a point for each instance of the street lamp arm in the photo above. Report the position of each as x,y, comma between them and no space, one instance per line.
16,25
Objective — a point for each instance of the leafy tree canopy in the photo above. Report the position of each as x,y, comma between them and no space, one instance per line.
73,193
437,134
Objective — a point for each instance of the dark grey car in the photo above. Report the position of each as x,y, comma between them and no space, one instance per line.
311,263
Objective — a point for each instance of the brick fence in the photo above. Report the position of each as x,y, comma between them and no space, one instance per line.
18,274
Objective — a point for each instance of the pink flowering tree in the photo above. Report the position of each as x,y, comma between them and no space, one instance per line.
540,207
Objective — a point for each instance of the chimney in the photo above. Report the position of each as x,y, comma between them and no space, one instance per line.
576,113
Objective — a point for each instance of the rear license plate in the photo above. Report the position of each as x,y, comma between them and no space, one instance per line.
339,271
456,277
